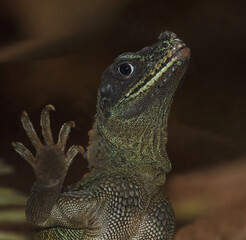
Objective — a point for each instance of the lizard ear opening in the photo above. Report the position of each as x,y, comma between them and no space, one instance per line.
105,106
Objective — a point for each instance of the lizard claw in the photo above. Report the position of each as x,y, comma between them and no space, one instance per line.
24,152
64,134
72,152
50,107
30,131
51,162
45,124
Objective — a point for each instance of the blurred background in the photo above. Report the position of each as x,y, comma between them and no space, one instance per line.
55,52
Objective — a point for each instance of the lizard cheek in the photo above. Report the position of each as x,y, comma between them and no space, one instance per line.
105,106
105,89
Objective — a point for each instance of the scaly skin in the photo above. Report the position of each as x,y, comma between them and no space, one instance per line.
121,196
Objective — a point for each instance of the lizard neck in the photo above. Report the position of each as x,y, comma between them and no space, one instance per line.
137,142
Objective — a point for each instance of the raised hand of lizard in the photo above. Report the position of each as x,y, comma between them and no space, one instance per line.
50,164
121,197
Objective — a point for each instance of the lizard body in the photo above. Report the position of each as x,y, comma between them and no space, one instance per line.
121,197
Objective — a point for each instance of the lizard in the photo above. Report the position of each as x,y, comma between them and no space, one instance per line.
121,197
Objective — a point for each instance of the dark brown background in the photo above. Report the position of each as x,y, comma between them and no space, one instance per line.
55,52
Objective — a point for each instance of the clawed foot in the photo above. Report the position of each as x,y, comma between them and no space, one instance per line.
51,163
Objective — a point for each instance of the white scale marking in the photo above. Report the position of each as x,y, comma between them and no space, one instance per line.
154,79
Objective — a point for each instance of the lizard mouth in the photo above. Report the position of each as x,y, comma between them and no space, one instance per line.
174,63
170,72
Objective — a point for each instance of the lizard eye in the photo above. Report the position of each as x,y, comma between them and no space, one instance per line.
126,69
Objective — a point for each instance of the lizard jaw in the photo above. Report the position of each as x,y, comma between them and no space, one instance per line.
175,68
176,60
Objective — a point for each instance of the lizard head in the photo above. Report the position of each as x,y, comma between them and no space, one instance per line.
134,100
134,80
